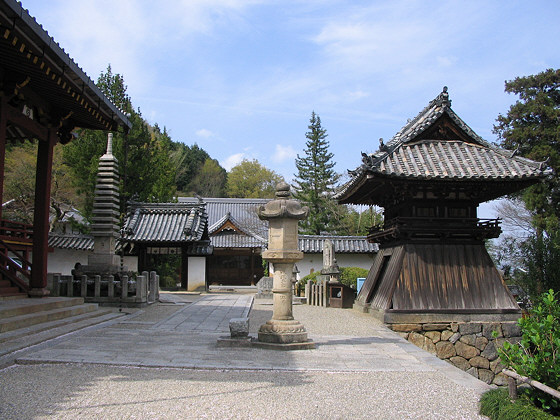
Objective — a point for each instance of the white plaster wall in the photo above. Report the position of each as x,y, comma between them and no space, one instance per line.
314,262
131,262
63,260
197,274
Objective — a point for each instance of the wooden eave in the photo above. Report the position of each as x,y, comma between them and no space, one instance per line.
31,61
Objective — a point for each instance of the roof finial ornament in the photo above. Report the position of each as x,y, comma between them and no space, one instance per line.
443,98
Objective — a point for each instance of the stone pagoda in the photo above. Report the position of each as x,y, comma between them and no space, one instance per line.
432,265
105,226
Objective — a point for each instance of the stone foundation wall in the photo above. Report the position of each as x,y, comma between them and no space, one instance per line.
470,346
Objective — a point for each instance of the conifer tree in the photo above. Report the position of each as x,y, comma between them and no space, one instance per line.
316,180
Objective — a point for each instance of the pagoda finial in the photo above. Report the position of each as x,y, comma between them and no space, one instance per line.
109,144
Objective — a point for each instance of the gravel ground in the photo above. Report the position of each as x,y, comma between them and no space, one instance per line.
318,320
80,391
107,392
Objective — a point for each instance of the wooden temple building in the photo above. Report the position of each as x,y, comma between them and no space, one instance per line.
44,96
432,265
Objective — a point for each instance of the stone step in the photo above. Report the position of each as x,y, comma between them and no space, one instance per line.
15,296
9,291
24,337
22,321
24,306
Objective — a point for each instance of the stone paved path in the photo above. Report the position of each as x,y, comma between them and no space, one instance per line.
178,337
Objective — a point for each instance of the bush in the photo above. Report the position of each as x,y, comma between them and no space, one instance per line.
538,354
348,276
496,405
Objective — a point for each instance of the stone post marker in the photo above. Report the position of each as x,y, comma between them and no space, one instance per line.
283,214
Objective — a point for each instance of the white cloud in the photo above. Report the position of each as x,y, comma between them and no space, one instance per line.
283,153
204,133
232,161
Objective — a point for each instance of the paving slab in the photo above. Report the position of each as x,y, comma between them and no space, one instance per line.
349,345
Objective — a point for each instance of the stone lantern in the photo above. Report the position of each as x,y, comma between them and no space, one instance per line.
283,214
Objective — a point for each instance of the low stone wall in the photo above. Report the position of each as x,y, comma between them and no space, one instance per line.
470,346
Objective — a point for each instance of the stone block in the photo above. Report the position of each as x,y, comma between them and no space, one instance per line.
445,350
514,340
239,327
489,328
489,351
473,371
435,336
481,343
466,351
479,362
485,376
468,339
403,335
406,327
469,328
446,335
460,362
511,329
435,327
496,366
500,379
454,327
454,338
423,342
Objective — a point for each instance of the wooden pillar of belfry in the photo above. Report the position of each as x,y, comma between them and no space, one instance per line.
38,285
3,128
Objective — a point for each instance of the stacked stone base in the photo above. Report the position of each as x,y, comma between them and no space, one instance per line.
470,346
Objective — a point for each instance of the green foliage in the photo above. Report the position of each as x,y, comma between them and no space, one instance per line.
532,126
541,257
358,223
537,356
210,180
496,405
316,180
187,161
145,168
348,275
310,277
250,179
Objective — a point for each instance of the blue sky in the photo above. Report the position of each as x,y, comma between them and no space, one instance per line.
241,77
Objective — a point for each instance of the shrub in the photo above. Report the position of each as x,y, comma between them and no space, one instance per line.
538,354
348,276
496,405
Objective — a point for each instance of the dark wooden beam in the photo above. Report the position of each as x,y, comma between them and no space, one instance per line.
3,128
38,286
29,126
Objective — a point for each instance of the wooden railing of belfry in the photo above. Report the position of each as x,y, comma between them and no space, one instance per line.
19,276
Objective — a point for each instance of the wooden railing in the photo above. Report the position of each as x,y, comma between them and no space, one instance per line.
16,231
512,385
426,227
18,274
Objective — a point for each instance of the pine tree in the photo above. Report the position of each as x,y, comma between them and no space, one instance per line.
316,180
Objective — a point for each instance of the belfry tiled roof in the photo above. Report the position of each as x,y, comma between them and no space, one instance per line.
438,145
165,222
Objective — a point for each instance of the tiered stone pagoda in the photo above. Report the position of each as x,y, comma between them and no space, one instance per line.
432,265
105,226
